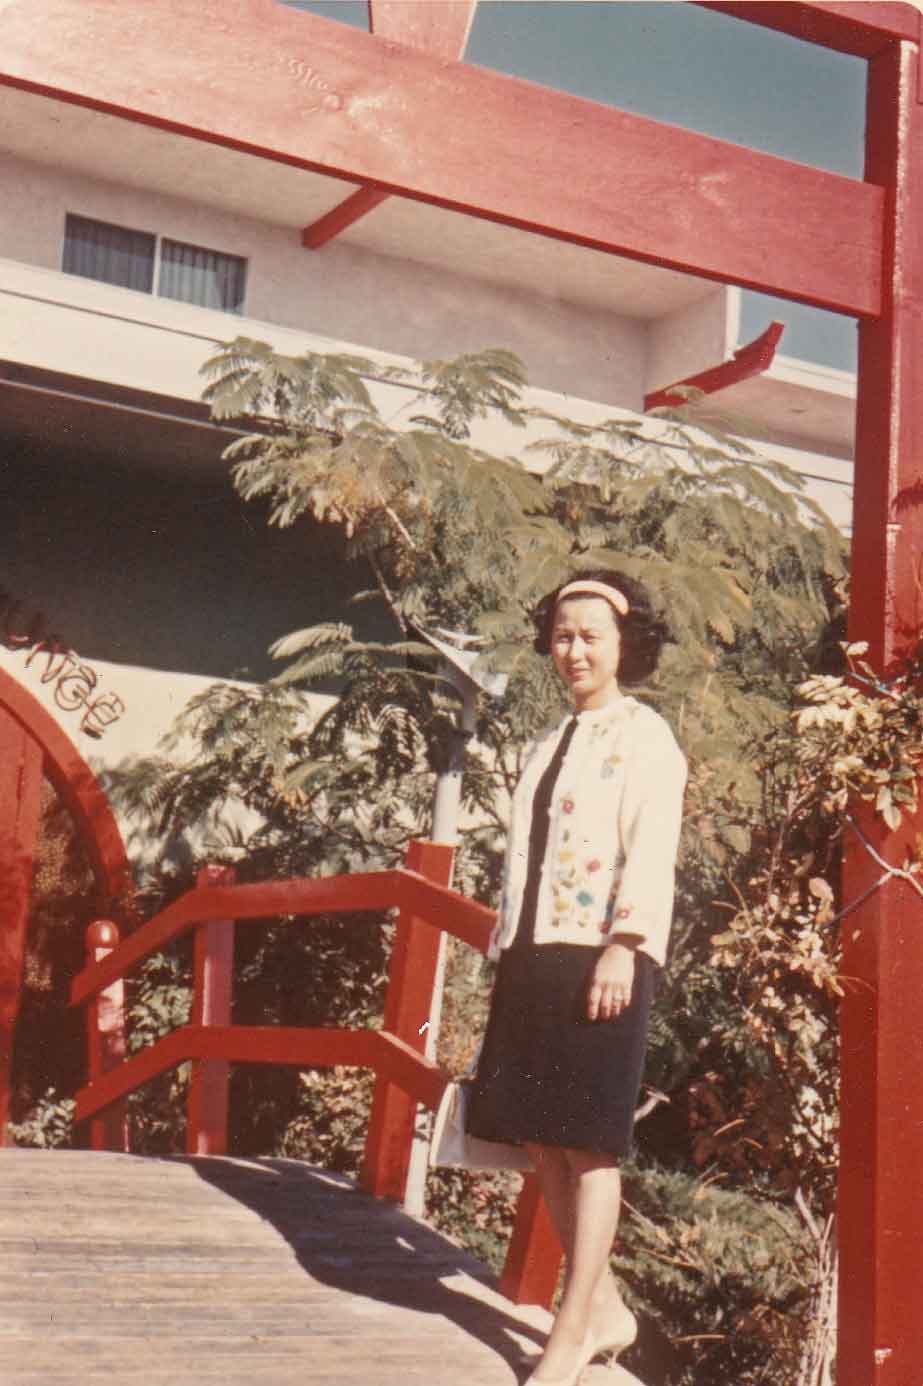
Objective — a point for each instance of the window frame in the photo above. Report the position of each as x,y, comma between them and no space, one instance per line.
71,217
157,261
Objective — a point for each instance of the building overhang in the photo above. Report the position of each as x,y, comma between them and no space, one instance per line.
44,412
800,405
102,371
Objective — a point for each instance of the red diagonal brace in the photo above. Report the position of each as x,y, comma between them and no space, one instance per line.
342,216
441,30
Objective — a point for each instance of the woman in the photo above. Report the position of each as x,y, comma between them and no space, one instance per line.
582,928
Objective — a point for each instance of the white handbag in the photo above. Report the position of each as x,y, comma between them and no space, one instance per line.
452,1146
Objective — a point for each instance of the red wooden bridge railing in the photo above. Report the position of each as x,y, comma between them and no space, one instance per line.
404,1076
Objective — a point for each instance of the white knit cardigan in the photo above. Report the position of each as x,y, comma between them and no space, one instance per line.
613,832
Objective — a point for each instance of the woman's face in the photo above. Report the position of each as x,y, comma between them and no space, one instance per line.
586,646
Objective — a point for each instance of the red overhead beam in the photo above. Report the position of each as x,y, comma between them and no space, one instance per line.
862,28
329,98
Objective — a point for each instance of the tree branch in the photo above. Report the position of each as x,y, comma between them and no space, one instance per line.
386,592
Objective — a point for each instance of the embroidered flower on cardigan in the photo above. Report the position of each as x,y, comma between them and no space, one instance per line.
584,897
568,805
608,766
594,865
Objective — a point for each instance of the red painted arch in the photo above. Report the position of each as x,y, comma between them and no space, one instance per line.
78,787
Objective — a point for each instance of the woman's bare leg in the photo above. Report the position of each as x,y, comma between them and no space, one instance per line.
587,1204
559,1189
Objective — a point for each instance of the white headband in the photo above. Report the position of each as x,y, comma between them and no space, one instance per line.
596,589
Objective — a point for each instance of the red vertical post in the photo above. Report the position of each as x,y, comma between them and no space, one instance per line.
441,29
20,796
106,1043
411,975
881,1211
533,1257
213,966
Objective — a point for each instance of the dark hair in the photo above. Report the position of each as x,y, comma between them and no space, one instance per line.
643,634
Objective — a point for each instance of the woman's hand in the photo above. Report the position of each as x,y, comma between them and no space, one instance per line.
610,986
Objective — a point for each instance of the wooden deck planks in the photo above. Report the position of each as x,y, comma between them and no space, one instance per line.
257,1272
194,1272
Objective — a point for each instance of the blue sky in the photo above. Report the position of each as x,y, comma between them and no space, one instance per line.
680,63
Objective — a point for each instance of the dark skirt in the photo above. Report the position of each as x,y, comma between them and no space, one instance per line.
546,1073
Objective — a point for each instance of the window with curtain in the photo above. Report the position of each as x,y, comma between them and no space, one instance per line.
209,278
130,259
114,254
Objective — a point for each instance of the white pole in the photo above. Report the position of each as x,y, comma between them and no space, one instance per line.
446,808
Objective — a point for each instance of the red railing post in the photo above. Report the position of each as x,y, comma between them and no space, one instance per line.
411,975
106,1045
207,1103
533,1257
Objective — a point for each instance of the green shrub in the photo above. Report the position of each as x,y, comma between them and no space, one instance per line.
721,1281
331,1118
475,1209
48,1125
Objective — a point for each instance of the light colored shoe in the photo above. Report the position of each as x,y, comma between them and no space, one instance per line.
619,1334
587,1353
